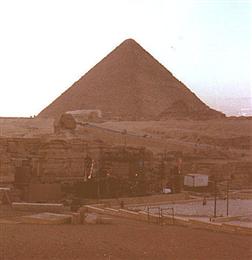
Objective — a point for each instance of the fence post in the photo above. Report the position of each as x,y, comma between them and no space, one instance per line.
148,211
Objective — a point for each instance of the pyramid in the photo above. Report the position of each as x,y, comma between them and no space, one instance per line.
132,85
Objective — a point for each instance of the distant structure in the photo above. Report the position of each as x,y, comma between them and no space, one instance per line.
86,115
131,85
70,119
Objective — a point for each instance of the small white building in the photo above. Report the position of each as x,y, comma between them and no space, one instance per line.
196,180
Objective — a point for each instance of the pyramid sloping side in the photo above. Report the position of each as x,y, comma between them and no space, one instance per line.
128,83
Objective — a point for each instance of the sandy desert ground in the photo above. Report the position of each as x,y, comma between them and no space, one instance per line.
25,127
123,239
231,137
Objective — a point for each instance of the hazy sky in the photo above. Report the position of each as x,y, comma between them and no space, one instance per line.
46,45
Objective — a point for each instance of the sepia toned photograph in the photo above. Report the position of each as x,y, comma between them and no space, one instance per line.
126,130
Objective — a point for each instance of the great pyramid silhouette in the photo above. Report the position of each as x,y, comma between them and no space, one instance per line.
129,83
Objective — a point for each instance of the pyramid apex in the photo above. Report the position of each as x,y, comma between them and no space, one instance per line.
129,41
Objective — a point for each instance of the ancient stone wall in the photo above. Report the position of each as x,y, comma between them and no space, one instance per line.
37,160
40,160
44,160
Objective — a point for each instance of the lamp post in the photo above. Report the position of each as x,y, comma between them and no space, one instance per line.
99,173
227,197
124,133
215,197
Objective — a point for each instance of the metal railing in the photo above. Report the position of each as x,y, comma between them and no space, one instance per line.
167,210
161,213
220,182
158,211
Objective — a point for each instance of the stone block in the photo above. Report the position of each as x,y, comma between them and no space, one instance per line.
105,220
82,211
76,218
91,218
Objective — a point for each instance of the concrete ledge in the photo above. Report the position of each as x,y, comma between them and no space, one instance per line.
205,225
113,212
129,214
167,219
225,219
100,205
237,229
45,207
244,231
225,227
143,215
228,228
93,209
150,200
181,221
47,219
